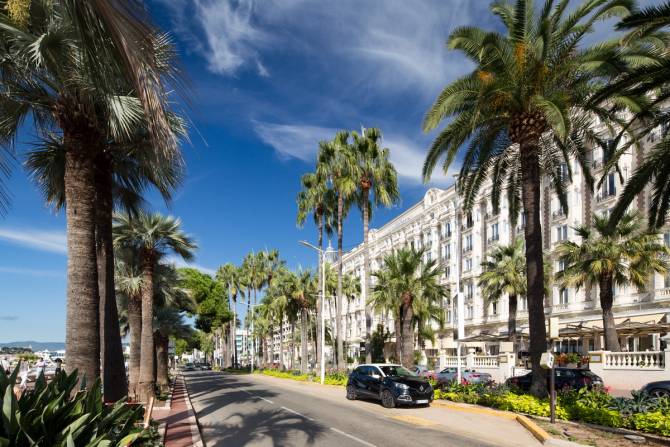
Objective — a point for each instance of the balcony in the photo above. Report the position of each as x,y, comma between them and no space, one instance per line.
559,214
491,216
604,196
466,227
597,164
493,239
467,249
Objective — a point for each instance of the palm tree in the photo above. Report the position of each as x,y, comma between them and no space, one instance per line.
336,163
626,255
504,273
649,79
228,275
152,236
69,83
376,175
408,287
317,198
521,112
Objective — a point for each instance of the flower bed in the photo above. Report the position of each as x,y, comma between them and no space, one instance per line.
331,378
641,412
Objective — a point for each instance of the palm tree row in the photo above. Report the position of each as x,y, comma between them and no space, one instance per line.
532,102
352,169
92,77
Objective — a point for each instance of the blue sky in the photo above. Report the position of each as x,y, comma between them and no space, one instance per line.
269,79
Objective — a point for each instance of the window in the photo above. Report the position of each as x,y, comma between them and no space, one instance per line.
469,290
563,296
563,171
448,316
446,250
447,229
561,265
561,233
523,303
468,243
468,264
494,308
608,187
495,235
447,271
468,221
666,239
468,311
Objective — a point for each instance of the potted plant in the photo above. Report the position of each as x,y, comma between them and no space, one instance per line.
573,359
584,361
562,359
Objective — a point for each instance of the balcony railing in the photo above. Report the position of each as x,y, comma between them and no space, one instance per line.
493,239
605,195
558,214
634,360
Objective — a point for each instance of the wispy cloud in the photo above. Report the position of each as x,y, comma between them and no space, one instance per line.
32,272
8,317
44,240
301,142
181,263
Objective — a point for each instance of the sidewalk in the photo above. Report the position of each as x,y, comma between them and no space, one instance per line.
182,428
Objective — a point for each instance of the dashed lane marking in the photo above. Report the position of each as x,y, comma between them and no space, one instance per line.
296,413
352,437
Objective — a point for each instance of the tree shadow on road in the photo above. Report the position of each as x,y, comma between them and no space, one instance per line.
270,427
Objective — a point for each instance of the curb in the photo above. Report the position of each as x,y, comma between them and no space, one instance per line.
193,419
538,432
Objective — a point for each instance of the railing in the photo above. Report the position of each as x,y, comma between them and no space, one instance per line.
634,360
485,361
602,196
452,360
558,214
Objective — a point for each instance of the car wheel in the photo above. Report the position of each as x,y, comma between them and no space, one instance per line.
659,392
387,399
351,392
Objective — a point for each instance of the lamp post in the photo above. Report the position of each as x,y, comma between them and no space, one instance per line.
322,335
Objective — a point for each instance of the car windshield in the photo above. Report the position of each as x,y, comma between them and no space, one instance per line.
399,371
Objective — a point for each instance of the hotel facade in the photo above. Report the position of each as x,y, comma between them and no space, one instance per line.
459,241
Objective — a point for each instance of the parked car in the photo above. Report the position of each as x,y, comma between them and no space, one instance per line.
657,389
391,384
189,367
450,374
203,366
423,371
566,379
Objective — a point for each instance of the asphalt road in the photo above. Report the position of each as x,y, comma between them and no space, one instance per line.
251,410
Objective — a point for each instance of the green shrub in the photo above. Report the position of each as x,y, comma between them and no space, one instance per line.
656,422
54,415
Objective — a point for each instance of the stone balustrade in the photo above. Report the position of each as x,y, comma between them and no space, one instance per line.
625,371
643,360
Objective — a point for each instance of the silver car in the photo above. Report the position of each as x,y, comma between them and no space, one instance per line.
450,374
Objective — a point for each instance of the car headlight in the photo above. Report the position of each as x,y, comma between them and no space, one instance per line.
401,386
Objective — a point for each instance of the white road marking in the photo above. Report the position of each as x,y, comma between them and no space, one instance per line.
266,400
295,412
352,437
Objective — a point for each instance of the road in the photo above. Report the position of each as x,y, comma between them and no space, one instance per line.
255,410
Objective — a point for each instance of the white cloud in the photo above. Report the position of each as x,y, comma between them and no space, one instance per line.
301,142
51,241
179,262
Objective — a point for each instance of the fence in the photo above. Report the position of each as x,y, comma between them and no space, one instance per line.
625,371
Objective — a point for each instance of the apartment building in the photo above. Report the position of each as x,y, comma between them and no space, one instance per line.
460,240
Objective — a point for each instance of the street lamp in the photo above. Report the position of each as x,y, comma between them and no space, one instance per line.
322,335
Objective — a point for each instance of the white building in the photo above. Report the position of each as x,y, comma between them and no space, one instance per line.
460,241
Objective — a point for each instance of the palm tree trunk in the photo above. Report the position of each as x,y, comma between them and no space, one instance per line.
366,275
340,365
114,382
82,338
135,323
162,362
407,336
304,335
511,320
530,168
609,326
398,338
319,316
233,332
146,383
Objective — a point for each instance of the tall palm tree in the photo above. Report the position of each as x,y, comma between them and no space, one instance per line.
317,198
69,84
336,162
622,256
521,112
408,286
504,273
378,178
152,236
228,275
645,28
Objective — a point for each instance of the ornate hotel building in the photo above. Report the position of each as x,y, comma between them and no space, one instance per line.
460,240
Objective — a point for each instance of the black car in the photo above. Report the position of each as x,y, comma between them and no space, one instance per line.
657,389
391,384
203,366
566,379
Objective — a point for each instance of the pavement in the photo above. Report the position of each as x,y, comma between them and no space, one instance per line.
181,425
256,410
